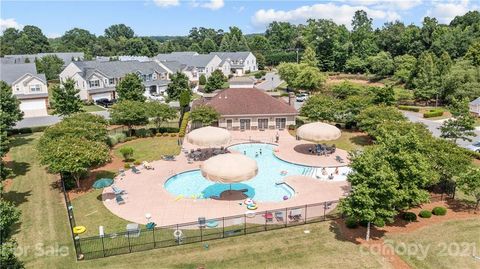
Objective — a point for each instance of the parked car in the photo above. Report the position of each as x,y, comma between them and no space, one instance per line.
474,147
302,97
105,102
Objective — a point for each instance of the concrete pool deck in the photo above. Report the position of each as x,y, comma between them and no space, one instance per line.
145,192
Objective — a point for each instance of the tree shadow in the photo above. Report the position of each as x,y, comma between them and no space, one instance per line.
462,205
18,168
107,196
20,140
16,197
361,140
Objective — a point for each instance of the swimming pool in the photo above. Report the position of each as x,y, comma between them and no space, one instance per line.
262,188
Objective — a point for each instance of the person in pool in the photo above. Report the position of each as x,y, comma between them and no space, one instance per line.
260,151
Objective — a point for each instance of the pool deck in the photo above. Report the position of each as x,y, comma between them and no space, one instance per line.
145,192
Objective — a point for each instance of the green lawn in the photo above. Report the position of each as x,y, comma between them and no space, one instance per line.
348,141
92,108
44,221
450,245
150,149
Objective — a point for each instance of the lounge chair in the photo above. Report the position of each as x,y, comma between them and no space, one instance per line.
151,225
117,190
279,216
295,214
147,165
201,222
212,224
119,199
133,230
268,217
135,170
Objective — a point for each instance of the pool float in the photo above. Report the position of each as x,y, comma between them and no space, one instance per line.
285,197
179,197
252,207
178,234
79,229
249,201
250,214
283,173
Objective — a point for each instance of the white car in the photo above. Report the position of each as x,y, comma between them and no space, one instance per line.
474,147
302,97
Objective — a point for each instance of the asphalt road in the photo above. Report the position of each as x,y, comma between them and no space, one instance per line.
49,120
434,126
272,81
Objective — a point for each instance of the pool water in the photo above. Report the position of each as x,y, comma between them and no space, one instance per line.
262,188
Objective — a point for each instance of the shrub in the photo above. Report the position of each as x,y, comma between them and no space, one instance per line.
183,126
165,134
168,130
409,216
425,214
439,211
137,162
173,135
159,134
409,108
202,80
433,113
379,223
351,223
121,137
291,127
143,132
126,166
112,140
127,153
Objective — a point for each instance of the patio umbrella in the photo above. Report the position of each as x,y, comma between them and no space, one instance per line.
229,168
102,183
209,137
318,131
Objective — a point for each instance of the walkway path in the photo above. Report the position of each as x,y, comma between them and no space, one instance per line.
272,81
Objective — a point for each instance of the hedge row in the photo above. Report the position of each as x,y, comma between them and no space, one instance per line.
183,126
409,108
433,113
28,130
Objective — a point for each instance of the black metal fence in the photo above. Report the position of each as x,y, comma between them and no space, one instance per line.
186,233
71,217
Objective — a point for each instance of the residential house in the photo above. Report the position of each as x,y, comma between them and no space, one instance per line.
249,109
198,63
241,62
28,86
241,82
475,107
98,79
67,57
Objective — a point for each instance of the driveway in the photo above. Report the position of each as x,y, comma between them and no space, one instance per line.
434,126
50,120
272,81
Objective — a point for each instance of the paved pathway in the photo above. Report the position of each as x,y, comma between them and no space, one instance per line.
272,81
49,120
434,126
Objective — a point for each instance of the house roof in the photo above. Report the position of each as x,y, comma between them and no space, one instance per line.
475,102
187,58
234,56
12,72
65,56
252,101
241,80
174,66
116,69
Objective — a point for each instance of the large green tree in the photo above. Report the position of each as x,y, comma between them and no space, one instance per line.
426,81
160,113
204,114
129,113
381,64
321,107
309,57
65,98
178,83
371,117
462,125
50,65
118,31
469,183
131,88
215,81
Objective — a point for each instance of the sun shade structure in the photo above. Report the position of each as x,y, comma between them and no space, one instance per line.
318,131
102,183
209,137
229,168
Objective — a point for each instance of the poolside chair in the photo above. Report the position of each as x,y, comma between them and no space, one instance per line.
279,216
117,190
135,170
295,214
119,199
201,222
212,224
268,217
133,230
151,225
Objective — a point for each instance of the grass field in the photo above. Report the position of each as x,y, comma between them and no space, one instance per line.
92,108
44,221
149,149
450,245
348,141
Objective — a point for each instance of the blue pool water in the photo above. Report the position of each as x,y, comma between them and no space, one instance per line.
261,188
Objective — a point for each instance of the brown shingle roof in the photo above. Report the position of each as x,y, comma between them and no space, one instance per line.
247,102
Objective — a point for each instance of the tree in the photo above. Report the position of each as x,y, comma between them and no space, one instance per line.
127,153
202,80
404,66
381,64
129,113
261,61
362,35
208,45
50,65
78,39
288,72
462,125
65,99
30,40
383,95
160,113
425,82
178,83
117,31
184,100
81,125
309,57
320,107
469,183
346,89
371,117
281,35
131,88
309,78
8,217
355,65
259,43
215,81
204,114
73,155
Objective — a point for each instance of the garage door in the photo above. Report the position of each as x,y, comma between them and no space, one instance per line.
97,96
33,108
